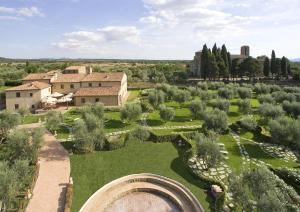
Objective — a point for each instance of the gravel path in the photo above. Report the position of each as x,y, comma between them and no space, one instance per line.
54,174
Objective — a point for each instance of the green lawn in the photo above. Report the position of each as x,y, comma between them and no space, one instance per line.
113,122
62,133
133,95
90,172
30,119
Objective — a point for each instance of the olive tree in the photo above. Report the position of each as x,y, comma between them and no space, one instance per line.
265,98
166,113
140,133
216,120
131,112
8,121
208,150
244,93
291,108
270,111
222,104
54,119
281,96
248,124
197,109
244,105
182,96
227,93
156,98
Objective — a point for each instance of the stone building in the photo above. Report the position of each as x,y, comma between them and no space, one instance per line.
195,66
87,87
27,95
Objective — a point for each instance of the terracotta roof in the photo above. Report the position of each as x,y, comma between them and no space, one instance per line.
69,78
101,91
102,77
39,76
30,86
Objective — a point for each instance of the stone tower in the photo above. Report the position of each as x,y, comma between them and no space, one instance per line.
245,51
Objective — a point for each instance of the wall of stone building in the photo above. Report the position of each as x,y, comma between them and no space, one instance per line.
25,100
56,87
106,100
97,84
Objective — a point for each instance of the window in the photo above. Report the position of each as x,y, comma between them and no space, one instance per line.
18,94
97,100
71,86
83,100
100,85
31,94
62,86
16,106
90,84
32,106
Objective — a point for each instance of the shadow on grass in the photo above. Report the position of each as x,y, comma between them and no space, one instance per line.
113,124
178,166
233,114
68,145
255,152
154,122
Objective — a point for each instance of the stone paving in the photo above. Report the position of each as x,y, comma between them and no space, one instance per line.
278,151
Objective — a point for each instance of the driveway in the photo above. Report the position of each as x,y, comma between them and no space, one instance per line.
50,188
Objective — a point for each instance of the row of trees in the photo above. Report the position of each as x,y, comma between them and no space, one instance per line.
17,161
218,63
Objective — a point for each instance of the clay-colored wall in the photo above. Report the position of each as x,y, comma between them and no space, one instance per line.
25,100
106,100
67,89
103,84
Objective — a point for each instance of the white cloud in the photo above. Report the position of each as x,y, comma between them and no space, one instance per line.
19,13
91,41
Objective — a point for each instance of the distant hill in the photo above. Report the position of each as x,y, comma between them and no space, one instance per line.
296,60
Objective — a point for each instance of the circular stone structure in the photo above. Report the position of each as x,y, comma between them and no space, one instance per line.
142,192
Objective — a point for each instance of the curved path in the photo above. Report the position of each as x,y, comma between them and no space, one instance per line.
50,188
115,195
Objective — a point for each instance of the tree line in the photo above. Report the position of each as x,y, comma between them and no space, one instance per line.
218,63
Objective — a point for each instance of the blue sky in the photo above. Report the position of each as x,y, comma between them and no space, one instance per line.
146,29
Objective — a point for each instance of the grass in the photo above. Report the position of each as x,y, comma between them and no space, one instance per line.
30,119
133,95
114,123
62,133
234,156
3,88
90,172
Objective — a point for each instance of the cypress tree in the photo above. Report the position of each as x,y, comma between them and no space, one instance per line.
273,63
229,62
213,66
204,62
289,70
267,67
284,66
224,54
215,50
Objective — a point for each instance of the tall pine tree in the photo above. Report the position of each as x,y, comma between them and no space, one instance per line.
215,50
267,67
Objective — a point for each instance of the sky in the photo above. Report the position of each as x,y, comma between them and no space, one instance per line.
146,29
